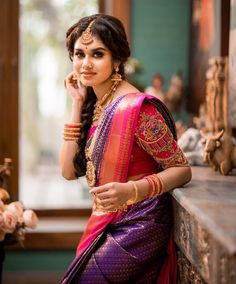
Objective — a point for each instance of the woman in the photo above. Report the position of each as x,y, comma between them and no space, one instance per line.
124,142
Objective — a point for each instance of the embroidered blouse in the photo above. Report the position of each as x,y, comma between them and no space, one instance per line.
155,147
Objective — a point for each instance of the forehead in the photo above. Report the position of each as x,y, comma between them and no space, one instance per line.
96,43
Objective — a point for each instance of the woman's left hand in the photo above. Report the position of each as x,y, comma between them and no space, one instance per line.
112,196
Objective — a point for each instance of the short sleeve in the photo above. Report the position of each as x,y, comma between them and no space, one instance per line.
154,136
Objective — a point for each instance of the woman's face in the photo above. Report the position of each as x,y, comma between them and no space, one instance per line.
93,63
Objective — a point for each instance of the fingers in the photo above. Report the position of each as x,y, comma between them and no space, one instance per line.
104,197
70,80
110,197
101,189
75,88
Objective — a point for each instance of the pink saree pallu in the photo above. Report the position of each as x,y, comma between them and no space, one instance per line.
131,246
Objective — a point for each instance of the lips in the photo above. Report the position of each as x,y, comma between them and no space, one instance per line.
87,74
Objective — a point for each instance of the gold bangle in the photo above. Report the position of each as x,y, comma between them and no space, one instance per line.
69,138
69,130
72,131
135,199
75,135
73,124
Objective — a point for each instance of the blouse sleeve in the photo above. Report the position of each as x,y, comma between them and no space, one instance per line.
154,136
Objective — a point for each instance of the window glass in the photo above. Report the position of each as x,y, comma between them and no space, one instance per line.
44,104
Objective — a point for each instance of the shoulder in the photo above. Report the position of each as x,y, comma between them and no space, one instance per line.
144,101
150,110
150,122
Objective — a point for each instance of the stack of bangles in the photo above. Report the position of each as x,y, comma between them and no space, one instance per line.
72,131
156,185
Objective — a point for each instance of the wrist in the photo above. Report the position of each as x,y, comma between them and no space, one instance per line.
76,112
71,131
77,103
133,193
156,185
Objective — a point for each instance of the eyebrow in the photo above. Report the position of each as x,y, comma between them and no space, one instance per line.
93,50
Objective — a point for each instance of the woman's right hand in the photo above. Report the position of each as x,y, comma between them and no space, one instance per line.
75,88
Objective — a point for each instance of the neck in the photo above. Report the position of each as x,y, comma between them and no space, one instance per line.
102,89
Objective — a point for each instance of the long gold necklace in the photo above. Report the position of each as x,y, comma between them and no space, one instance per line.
100,104
90,169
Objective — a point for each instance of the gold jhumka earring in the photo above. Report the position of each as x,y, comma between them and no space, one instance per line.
116,77
87,36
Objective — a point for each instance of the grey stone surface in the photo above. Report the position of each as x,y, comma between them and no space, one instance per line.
211,199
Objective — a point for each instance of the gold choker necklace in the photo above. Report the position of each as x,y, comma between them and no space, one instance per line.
100,104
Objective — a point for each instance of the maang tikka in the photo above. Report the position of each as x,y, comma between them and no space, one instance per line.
116,76
87,36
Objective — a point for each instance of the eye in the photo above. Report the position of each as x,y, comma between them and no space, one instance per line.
98,54
79,54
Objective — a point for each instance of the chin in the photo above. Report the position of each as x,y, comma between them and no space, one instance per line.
87,83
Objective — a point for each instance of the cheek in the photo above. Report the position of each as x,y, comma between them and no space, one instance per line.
76,65
107,69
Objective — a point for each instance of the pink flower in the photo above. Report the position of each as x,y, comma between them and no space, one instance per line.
10,221
17,209
30,219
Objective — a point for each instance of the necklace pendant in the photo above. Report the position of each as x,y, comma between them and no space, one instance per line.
97,112
90,174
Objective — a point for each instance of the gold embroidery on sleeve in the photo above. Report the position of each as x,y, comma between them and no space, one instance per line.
156,139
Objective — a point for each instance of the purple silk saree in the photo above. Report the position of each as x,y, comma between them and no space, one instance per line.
125,247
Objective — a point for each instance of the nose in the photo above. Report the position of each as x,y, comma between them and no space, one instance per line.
87,64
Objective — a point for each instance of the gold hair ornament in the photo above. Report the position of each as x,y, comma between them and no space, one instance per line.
87,36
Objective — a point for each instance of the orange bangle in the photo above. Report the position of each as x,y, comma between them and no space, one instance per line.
156,185
73,125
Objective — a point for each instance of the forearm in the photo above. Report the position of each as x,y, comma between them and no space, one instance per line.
170,178
70,146
175,177
115,196
66,157
76,111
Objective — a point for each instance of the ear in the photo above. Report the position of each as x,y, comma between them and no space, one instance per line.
116,64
